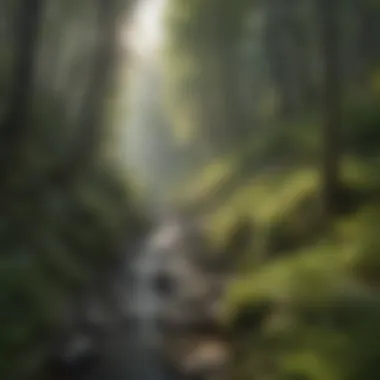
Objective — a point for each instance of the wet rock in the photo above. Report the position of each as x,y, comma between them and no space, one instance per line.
199,356
75,356
164,284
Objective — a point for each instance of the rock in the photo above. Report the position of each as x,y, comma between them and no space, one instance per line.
164,284
199,356
76,356
207,356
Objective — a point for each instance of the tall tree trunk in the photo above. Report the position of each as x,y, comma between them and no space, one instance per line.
92,114
227,36
298,26
368,37
276,43
16,121
329,12
234,106
232,123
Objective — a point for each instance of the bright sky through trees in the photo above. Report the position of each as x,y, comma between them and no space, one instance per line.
146,32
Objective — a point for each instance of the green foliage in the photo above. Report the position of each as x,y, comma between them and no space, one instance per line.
305,302
320,317
202,38
362,122
62,224
312,312
53,243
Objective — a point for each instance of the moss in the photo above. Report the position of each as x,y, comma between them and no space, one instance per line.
311,309
322,322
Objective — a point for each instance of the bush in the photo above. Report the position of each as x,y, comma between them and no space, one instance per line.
321,323
361,134
54,243
313,313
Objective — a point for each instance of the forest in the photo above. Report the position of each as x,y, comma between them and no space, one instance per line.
281,99
67,206
261,116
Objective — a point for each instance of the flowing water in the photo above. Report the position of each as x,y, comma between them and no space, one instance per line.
133,348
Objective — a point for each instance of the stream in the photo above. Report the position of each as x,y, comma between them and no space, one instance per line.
132,346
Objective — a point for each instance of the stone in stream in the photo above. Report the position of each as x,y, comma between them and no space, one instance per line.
173,289
199,357
77,355
164,284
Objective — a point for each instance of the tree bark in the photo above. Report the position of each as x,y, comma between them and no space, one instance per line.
329,12
92,114
368,37
276,41
16,122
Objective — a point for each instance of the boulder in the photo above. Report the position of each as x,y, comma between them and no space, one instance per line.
75,356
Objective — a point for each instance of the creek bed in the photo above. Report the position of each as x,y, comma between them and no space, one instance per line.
201,356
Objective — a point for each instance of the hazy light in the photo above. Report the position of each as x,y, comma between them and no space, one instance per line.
145,34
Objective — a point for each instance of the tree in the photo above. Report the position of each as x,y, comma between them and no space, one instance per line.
68,209
92,113
16,122
204,77
329,13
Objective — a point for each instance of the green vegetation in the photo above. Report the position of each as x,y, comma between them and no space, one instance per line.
66,205
296,158
305,303
274,104
55,243
324,308
316,288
